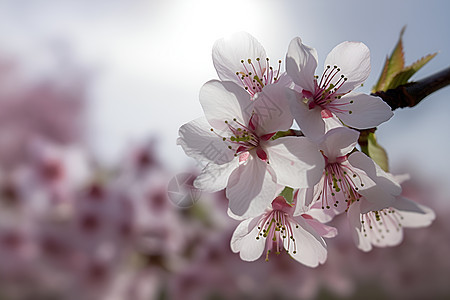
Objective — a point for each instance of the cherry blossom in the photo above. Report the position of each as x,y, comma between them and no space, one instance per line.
245,159
347,66
384,227
341,182
240,58
277,229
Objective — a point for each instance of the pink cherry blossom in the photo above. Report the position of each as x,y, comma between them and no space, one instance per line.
347,66
277,229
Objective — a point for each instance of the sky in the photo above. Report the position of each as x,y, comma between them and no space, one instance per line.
148,60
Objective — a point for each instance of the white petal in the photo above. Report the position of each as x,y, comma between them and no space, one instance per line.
366,111
224,101
353,58
304,200
273,109
354,221
413,215
200,143
244,240
296,161
215,177
228,52
251,188
338,142
311,249
384,181
301,63
309,120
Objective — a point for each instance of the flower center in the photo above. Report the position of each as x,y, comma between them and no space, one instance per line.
257,75
379,223
244,138
276,226
340,183
327,89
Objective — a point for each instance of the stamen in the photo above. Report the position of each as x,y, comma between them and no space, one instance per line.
253,82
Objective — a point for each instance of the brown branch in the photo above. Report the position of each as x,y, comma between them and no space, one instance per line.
410,94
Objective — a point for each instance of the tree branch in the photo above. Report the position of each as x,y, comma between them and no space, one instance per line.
410,94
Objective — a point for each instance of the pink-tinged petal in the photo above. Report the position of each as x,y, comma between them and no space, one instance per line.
228,52
353,58
338,142
309,120
385,181
301,63
251,188
413,215
322,229
224,101
310,249
362,111
332,122
199,142
322,215
296,161
244,240
354,221
272,107
304,198
215,177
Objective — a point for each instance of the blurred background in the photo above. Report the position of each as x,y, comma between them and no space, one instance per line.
92,94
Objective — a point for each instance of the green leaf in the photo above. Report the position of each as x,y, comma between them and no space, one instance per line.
382,79
393,65
403,76
377,153
288,194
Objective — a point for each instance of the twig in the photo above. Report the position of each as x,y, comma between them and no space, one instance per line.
410,94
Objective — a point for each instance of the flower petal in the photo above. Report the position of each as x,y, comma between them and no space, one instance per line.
272,108
251,188
311,249
385,181
200,143
244,240
353,58
361,111
296,161
224,101
215,177
228,53
309,120
354,220
413,215
322,229
301,63
338,142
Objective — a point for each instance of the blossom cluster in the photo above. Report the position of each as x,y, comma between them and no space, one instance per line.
284,184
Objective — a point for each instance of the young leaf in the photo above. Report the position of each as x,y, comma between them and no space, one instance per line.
377,153
394,64
403,76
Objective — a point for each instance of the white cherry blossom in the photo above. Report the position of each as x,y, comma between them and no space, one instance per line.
342,181
277,229
347,66
246,160
240,58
